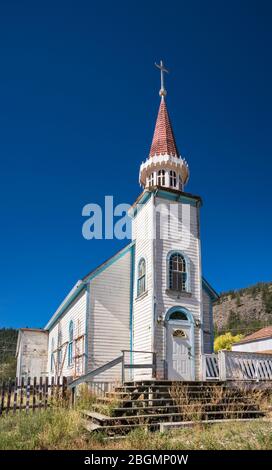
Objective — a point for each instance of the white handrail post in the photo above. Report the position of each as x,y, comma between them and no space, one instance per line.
123,366
257,370
204,367
222,365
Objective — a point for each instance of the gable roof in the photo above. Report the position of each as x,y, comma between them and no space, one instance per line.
81,284
263,333
209,289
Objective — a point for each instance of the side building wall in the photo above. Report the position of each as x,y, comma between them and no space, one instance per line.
109,315
32,353
59,339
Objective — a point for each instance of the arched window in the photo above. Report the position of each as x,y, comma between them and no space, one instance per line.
70,343
52,355
141,284
177,272
161,178
173,178
151,180
178,316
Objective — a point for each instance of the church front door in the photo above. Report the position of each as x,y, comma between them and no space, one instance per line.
179,351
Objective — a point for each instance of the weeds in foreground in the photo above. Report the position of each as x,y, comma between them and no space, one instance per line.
85,398
62,429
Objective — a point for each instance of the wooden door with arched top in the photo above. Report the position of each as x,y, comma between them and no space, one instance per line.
179,347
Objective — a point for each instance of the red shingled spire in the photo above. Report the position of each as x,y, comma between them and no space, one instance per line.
163,140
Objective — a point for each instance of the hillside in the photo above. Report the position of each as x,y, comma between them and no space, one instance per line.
244,310
8,339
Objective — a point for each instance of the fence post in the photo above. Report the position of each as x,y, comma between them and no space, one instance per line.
73,396
257,371
222,365
64,387
2,398
123,366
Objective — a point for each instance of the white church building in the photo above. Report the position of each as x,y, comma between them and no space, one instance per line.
150,299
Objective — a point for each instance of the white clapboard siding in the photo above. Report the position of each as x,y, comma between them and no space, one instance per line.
143,306
32,353
187,241
109,317
77,313
207,323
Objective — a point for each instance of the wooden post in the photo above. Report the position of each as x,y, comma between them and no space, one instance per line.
222,365
2,398
40,392
123,367
9,396
204,368
154,365
46,392
27,394
15,395
34,394
52,390
257,371
22,393
64,387
73,396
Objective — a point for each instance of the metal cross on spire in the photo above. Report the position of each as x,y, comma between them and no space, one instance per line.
162,68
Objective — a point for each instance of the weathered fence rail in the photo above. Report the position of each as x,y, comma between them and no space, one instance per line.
31,393
234,365
210,366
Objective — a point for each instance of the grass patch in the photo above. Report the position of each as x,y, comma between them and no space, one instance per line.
61,428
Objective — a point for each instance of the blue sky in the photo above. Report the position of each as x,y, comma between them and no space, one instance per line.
78,102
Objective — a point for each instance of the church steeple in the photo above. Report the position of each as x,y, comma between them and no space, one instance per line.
164,167
163,142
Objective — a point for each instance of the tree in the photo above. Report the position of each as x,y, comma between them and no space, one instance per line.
226,341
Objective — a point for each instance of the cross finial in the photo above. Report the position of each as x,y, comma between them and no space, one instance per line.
162,68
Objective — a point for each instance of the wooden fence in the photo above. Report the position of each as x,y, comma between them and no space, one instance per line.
31,393
234,365
210,367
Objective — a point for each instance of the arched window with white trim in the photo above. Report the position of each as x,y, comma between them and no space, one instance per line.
151,180
161,178
70,343
173,178
141,280
178,274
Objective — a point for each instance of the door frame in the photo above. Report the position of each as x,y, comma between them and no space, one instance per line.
189,322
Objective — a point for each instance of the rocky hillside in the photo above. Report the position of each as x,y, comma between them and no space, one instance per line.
244,310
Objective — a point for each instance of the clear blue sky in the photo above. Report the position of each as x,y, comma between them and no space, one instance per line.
78,88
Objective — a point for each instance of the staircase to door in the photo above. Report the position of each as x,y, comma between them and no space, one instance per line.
151,404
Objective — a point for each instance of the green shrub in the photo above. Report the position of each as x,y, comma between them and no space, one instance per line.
226,341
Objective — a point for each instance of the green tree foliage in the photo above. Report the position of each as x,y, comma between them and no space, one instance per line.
8,340
226,341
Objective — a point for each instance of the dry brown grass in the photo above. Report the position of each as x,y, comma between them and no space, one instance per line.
190,410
